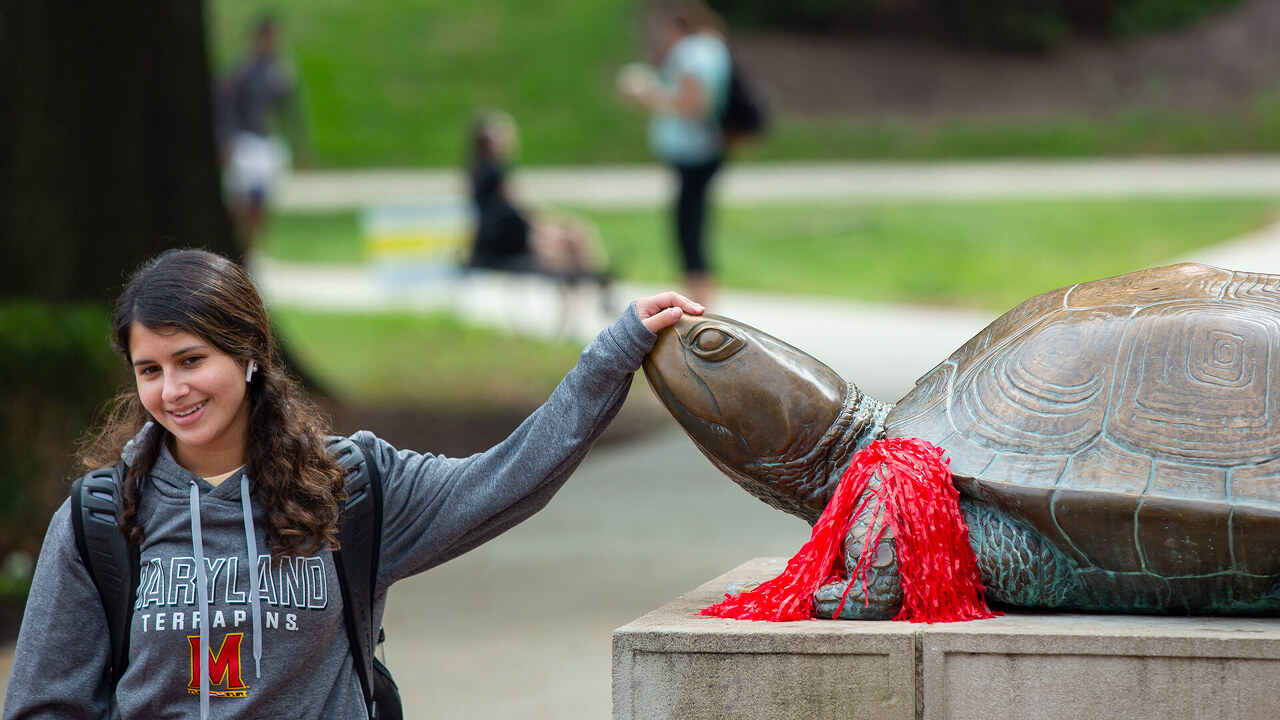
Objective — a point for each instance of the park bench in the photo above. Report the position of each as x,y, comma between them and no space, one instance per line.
419,250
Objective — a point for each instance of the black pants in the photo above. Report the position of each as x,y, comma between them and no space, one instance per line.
691,213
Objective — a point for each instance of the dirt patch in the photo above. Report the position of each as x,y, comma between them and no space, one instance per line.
458,434
1221,64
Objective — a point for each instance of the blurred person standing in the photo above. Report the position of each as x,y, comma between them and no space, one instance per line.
259,87
686,97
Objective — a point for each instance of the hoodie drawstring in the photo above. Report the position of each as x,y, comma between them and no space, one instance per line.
202,587
202,593
252,542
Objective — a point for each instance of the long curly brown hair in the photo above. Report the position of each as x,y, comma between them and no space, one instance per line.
293,476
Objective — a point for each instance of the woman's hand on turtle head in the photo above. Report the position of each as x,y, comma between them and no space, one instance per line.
664,309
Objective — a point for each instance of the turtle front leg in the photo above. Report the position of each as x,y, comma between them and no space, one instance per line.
882,597
1017,565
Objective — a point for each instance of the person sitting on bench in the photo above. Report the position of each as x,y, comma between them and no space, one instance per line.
505,239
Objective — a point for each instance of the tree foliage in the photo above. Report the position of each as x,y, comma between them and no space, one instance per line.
55,371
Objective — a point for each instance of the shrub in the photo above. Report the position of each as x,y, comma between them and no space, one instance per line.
801,14
1023,25
56,369
1034,25
1136,17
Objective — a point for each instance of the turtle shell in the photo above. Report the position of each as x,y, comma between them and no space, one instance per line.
1133,421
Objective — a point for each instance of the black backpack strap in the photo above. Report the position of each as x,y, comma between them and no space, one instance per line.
360,535
111,559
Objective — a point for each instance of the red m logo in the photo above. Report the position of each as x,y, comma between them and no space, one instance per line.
224,665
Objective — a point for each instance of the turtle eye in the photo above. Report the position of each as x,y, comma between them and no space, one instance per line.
715,345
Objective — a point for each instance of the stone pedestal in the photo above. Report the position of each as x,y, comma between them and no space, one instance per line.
674,663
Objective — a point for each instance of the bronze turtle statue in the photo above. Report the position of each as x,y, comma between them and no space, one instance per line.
1116,443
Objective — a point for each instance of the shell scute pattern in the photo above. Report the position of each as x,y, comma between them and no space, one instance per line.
1122,417
1255,534
1104,466
1178,540
1255,288
998,331
1149,287
1044,388
1191,374
1100,532
1025,469
1255,485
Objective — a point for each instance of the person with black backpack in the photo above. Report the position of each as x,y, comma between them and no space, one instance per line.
687,97
225,557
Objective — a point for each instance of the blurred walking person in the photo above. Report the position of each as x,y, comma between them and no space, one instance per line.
253,157
686,96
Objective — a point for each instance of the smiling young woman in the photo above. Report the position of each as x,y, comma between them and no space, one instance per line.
189,323
233,502
197,393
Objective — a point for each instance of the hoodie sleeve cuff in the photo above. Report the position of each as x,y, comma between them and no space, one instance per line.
629,335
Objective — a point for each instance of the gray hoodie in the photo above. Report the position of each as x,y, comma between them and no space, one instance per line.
280,649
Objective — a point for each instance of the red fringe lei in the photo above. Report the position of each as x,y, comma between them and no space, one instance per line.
938,570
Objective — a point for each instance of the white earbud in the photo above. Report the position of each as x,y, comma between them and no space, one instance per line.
248,374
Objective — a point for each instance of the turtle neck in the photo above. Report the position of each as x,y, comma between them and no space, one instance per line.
801,484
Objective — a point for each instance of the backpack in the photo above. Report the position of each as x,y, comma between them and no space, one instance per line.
113,563
744,116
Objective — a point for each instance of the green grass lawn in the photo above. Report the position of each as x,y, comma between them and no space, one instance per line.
324,237
399,359
1251,128
983,254
396,82
990,254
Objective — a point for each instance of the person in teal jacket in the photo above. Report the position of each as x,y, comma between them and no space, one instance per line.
686,98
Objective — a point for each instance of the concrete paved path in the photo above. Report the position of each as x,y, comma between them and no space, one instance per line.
520,628
1258,251
647,185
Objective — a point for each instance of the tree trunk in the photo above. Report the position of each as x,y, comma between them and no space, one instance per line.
107,150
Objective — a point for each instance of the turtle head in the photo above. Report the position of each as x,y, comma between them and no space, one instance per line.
767,414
